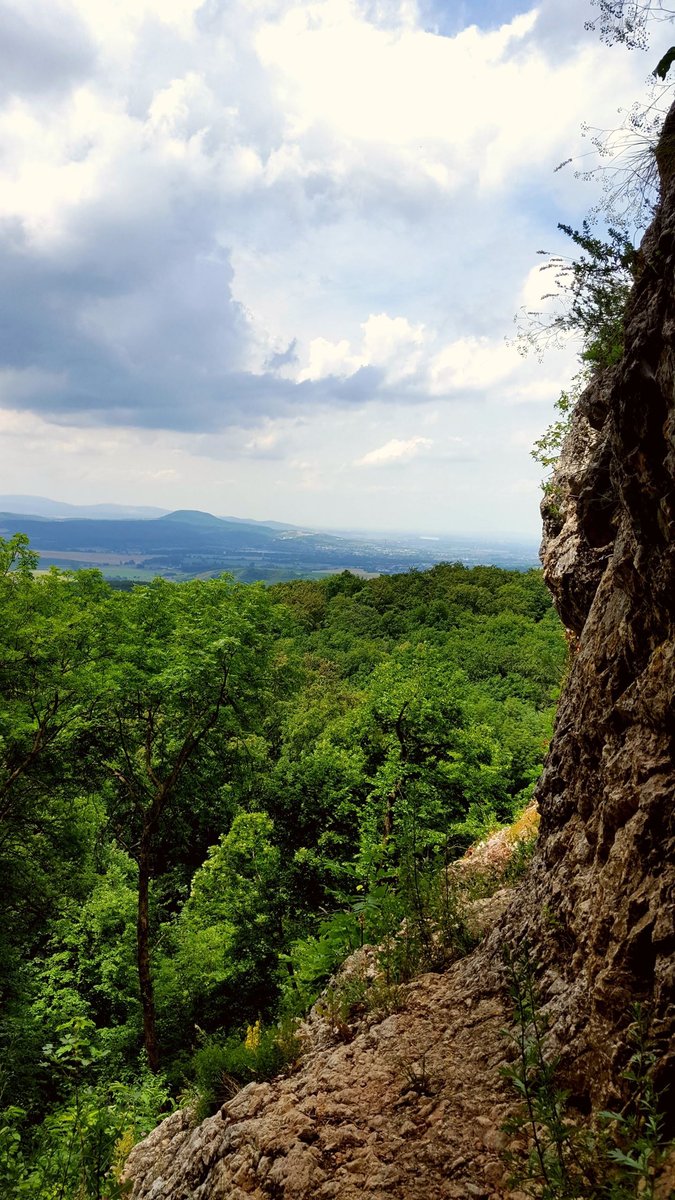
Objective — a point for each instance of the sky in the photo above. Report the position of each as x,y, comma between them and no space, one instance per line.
263,258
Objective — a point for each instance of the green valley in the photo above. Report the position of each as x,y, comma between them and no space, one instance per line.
188,544
210,792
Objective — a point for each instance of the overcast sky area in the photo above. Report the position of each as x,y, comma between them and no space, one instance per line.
262,258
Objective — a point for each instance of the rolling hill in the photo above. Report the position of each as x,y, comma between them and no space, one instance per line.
189,543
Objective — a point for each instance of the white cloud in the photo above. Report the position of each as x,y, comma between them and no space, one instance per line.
394,344
382,85
395,451
163,474
413,357
117,26
205,185
471,363
327,358
389,343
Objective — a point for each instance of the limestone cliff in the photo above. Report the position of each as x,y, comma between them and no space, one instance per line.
599,906
601,910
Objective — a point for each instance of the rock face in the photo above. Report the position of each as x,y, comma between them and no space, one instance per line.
411,1107
601,913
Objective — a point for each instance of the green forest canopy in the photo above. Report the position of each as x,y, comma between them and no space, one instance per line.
201,785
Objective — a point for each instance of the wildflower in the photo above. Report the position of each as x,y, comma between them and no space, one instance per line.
252,1041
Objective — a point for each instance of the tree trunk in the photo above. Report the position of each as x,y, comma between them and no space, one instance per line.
395,792
143,955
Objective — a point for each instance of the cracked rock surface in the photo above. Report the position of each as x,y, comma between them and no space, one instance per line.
412,1108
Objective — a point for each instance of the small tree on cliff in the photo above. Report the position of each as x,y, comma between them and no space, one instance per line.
591,289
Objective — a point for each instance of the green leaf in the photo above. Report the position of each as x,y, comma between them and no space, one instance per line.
624,1159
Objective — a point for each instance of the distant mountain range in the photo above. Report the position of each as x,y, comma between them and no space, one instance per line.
41,506
128,542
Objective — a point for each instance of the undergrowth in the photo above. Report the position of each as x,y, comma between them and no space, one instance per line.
408,922
79,1150
553,1155
223,1067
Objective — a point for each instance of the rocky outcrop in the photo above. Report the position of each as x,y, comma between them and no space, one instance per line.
601,911
408,1108
411,1107
385,1104
579,513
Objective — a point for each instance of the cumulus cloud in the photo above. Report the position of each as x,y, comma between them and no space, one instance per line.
471,363
45,48
215,216
395,451
413,361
